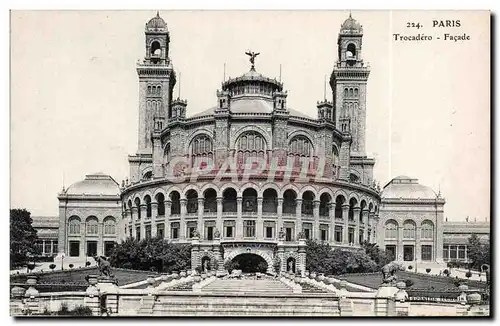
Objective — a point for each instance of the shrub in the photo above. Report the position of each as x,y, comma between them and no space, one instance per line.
262,267
78,311
446,272
408,283
71,265
31,266
468,274
87,263
410,267
198,269
428,270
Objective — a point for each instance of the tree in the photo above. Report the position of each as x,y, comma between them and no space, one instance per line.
428,270
379,256
477,252
155,253
320,258
23,237
468,274
52,266
71,265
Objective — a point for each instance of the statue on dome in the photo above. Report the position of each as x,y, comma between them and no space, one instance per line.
252,56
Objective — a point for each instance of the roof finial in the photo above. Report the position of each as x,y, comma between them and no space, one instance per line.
224,71
157,13
280,72
350,14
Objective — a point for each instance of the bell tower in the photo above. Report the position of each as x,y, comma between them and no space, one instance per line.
348,82
156,82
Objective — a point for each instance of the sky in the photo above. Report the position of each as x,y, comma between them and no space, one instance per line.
74,91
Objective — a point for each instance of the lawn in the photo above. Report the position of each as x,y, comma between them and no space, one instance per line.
420,281
77,276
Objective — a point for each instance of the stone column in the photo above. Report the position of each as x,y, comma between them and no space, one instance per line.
182,231
219,207
281,255
143,217
301,263
345,217
279,225
201,209
259,232
418,247
32,296
399,250
371,225
298,214
154,215
83,239
195,249
331,218
43,247
134,215
239,221
366,221
100,239
316,233
356,220
168,209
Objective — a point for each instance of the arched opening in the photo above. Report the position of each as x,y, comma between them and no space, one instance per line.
352,204
270,201
210,201
175,198
353,178
250,200
229,200
324,201
148,175
250,263
205,264
160,199
138,205
339,201
147,200
363,207
290,265
289,202
74,225
156,49
351,51
427,231
192,201
307,203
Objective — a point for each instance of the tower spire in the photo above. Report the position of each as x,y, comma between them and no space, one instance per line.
179,90
324,88
280,72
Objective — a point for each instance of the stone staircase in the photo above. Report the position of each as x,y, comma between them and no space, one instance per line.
242,287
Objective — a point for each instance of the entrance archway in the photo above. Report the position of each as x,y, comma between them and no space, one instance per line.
250,263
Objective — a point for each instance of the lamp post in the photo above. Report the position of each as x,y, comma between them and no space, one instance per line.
62,261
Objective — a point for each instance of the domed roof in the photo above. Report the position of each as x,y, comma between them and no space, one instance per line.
351,25
403,187
156,23
95,184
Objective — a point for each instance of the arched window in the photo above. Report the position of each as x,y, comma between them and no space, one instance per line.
300,145
92,225
355,92
156,49
391,229
427,230
147,200
74,225
160,199
270,201
324,201
138,205
175,208
192,201
351,92
339,201
409,229
346,92
307,203
148,175
251,141
351,51
352,204
109,225
201,144
289,202
335,160
353,178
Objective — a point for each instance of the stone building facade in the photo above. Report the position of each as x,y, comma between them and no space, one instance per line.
252,176
411,223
